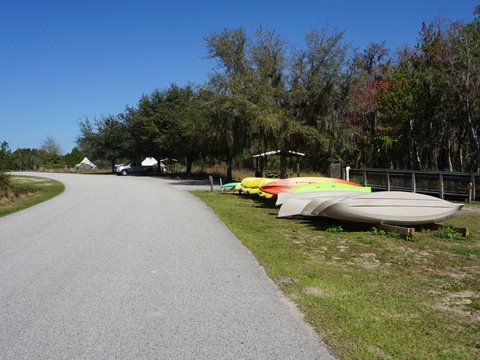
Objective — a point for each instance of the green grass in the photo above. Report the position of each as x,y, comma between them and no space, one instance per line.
27,191
369,293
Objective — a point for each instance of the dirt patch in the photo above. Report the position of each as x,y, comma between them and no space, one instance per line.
458,302
470,210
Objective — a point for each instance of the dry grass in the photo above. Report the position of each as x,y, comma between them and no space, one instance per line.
25,191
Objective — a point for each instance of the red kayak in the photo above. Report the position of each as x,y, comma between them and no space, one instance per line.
287,185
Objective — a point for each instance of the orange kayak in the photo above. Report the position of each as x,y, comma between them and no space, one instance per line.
287,185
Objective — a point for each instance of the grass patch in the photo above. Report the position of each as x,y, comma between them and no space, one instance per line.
369,293
26,191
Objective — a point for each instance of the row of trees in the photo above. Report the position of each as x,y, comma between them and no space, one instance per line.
416,108
49,155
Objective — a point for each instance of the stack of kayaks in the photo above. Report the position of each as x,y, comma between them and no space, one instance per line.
251,185
348,201
386,207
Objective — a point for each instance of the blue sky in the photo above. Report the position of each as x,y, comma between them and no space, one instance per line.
62,60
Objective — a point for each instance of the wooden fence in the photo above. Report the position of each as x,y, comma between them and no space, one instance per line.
446,185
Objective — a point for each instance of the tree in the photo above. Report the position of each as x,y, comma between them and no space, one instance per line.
6,160
108,138
26,158
162,124
227,111
51,153
4,165
319,89
74,157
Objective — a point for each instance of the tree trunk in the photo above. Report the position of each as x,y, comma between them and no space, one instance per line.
229,169
283,164
189,166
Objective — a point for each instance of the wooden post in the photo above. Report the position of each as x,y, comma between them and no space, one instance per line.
474,195
210,179
441,186
406,231
469,188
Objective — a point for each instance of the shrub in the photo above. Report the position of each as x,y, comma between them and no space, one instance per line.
4,184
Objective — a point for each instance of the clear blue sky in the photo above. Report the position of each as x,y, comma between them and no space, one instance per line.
62,60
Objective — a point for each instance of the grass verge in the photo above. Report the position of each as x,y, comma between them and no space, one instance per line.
26,191
370,294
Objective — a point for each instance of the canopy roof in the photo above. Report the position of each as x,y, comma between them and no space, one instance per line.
275,152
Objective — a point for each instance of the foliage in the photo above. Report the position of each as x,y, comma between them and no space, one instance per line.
107,138
6,160
335,229
73,157
51,154
415,107
26,159
4,184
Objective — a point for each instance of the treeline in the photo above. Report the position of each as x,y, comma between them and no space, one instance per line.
48,156
414,108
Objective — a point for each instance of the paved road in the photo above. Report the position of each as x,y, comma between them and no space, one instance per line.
137,268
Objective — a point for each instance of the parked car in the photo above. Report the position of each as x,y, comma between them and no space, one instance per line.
134,167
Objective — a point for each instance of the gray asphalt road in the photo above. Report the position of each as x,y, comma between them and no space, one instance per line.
137,268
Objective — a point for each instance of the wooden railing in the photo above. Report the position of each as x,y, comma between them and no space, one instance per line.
446,185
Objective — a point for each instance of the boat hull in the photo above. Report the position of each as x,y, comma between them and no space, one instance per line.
387,207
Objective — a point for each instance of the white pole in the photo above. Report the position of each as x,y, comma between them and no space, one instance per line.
347,173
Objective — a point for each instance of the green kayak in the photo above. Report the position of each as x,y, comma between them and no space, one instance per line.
327,186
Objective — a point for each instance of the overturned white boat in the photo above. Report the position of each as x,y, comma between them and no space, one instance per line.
386,207
293,204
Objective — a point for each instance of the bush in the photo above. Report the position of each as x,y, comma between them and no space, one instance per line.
4,184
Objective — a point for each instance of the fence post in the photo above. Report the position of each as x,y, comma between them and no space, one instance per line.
365,177
414,182
441,186
474,195
388,180
210,179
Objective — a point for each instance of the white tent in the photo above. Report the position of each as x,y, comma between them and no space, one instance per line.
86,164
149,161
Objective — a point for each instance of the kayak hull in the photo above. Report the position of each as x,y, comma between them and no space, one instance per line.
386,207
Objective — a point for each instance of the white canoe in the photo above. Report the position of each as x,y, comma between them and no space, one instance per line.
293,203
386,207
